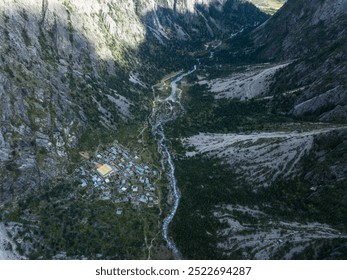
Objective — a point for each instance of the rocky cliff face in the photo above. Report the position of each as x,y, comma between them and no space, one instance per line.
196,20
312,35
67,65
316,37
301,28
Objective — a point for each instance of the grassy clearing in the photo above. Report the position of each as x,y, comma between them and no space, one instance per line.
269,6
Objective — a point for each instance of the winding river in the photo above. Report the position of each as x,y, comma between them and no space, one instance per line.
166,110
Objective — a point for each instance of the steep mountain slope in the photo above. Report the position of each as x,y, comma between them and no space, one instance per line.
261,176
301,28
197,20
317,39
71,65
52,68
311,35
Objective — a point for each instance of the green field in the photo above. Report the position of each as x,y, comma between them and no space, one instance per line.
268,6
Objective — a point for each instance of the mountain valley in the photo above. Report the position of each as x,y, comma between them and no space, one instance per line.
221,128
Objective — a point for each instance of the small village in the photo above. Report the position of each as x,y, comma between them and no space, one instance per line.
121,178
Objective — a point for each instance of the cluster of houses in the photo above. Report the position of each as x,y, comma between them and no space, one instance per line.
121,178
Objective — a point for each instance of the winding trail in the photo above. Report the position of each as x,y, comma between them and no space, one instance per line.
165,110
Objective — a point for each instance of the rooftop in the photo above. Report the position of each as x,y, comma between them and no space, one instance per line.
104,170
